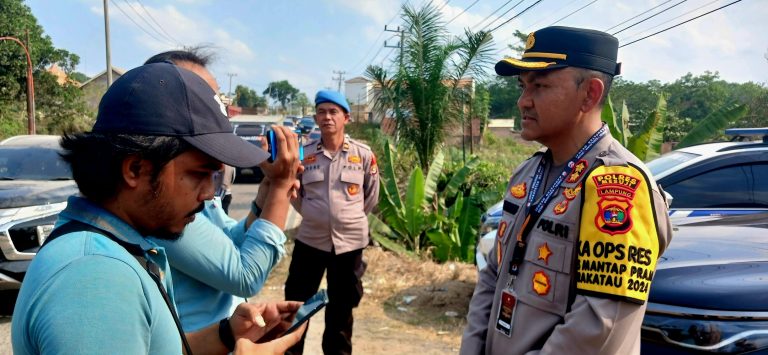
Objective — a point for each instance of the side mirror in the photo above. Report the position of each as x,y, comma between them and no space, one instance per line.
668,197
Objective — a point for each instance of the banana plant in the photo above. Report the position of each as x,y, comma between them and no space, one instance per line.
713,124
645,144
420,220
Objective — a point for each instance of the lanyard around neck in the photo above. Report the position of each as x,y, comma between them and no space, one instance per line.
532,216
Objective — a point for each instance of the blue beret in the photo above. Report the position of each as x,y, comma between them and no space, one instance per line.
558,47
334,97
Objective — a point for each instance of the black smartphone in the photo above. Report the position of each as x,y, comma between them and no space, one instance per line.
308,309
273,145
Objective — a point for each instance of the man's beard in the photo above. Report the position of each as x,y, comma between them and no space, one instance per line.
162,232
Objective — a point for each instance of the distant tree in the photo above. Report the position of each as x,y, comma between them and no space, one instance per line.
58,107
301,101
282,92
244,96
79,77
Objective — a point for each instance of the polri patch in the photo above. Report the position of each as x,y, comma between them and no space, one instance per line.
518,191
353,189
561,207
571,192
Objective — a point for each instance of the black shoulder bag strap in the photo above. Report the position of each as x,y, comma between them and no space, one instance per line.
152,269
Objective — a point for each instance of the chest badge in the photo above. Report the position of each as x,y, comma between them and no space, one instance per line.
518,191
571,192
544,253
578,169
310,159
354,159
541,284
353,189
561,207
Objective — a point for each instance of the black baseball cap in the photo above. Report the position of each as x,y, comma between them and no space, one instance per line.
162,99
558,47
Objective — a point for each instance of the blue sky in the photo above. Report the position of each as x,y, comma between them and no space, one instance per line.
304,41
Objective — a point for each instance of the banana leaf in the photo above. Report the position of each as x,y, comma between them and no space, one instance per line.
609,117
433,175
414,204
647,143
383,235
713,124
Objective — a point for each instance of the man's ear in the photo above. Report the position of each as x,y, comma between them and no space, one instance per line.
595,88
133,168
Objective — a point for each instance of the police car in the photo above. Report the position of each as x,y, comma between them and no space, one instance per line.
705,180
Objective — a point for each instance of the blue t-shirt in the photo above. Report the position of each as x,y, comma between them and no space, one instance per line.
85,294
217,262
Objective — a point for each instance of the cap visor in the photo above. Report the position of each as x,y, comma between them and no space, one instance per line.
511,66
229,149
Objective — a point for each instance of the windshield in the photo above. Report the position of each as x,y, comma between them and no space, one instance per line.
307,122
668,161
32,163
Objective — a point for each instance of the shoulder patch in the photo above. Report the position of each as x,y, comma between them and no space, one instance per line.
618,241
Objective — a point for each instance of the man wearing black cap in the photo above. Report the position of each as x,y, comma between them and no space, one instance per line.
339,187
583,223
98,285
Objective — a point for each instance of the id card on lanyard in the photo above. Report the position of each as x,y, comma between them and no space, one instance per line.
508,301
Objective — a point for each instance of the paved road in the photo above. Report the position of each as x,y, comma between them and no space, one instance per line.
243,194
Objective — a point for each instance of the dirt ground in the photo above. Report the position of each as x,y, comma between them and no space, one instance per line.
410,306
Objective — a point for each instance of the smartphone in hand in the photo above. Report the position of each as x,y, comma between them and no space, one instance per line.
272,141
308,309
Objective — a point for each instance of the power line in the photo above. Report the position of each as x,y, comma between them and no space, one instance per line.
494,11
373,45
546,17
681,23
502,15
137,25
516,16
157,23
463,11
442,6
636,16
573,12
648,18
668,21
146,21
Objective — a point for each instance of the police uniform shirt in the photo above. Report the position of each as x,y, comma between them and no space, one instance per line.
337,193
589,260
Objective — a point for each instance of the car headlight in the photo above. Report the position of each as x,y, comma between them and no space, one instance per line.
732,335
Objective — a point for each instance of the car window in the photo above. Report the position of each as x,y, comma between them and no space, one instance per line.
728,187
33,163
668,161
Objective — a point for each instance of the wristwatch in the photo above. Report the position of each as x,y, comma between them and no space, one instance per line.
255,209
225,334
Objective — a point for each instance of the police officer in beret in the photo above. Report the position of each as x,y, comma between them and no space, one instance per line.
339,186
583,221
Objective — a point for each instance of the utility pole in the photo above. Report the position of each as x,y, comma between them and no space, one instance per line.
230,75
106,38
400,32
30,84
339,79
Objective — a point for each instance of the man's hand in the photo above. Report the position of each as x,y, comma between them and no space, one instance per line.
282,172
277,346
262,322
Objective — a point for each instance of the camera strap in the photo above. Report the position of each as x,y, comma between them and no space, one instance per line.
152,269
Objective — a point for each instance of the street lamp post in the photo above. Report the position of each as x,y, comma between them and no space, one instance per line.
30,87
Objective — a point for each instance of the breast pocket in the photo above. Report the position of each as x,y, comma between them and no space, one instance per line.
312,183
353,184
